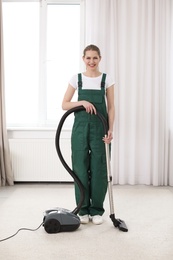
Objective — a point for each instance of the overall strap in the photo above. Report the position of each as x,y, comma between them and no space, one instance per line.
103,80
79,80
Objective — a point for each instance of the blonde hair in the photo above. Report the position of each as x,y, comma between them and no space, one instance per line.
91,47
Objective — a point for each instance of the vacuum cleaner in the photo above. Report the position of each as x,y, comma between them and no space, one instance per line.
61,220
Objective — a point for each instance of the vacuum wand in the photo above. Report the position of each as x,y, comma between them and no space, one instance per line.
117,222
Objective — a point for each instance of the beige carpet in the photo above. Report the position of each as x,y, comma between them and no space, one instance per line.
147,211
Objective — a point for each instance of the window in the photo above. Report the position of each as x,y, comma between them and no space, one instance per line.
21,61
63,27
41,53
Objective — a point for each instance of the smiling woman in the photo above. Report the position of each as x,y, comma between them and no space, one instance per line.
95,93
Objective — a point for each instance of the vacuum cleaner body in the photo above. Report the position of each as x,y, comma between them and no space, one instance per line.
60,220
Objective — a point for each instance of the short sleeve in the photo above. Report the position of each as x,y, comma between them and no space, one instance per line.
74,81
109,81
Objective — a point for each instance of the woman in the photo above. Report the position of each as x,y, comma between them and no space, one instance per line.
95,92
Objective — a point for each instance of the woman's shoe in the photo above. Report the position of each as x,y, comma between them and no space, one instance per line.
97,219
84,219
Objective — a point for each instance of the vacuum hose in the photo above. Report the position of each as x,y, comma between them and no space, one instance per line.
57,145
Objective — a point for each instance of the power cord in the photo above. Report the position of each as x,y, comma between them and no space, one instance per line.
28,229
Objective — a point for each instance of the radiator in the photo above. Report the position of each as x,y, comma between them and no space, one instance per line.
36,160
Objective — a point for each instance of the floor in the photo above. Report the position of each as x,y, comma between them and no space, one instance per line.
147,211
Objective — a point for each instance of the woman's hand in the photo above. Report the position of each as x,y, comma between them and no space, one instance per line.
108,138
89,107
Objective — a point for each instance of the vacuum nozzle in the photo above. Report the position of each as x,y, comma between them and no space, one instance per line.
119,223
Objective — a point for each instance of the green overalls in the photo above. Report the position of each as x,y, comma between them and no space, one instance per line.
88,151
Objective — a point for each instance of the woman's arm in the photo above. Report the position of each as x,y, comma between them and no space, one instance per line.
68,104
111,113
110,106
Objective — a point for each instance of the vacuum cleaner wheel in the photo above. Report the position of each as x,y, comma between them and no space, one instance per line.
52,224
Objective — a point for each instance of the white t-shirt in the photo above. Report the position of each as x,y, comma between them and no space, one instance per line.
91,82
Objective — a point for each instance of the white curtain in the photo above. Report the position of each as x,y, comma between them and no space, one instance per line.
6,175
136,41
